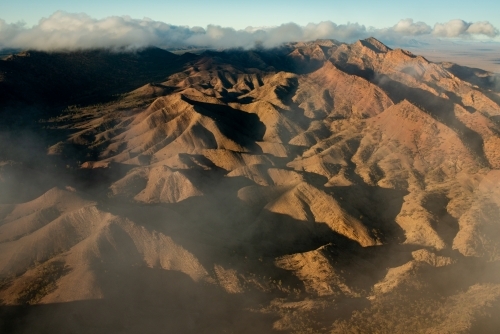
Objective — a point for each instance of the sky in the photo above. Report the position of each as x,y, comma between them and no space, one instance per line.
241,14
57,24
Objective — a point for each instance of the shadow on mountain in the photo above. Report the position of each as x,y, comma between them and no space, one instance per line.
476,76
241,127
227,231
353,69
488,322
439,108
462,275
143,300
264,60
83,77
447,226
375,207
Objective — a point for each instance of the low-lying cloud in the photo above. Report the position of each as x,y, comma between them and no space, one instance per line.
69,31
409,28
457,28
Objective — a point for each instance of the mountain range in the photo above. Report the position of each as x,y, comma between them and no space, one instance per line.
318,187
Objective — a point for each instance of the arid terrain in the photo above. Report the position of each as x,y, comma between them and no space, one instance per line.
481,55
318,187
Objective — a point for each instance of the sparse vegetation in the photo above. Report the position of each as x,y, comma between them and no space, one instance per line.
42,282
398,312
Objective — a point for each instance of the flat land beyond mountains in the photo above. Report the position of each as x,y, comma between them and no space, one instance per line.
318,187
476,55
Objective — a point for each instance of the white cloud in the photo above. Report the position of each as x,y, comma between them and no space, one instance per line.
453,28
79,31
483,28
458,28
69,31
219,37
407,27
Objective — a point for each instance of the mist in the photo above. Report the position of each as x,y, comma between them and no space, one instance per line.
77,31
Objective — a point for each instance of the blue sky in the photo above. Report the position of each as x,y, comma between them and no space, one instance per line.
240,14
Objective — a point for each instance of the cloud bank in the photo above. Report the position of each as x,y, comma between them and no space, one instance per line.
457,28
69,31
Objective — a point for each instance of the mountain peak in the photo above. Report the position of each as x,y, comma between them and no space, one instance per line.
375,45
